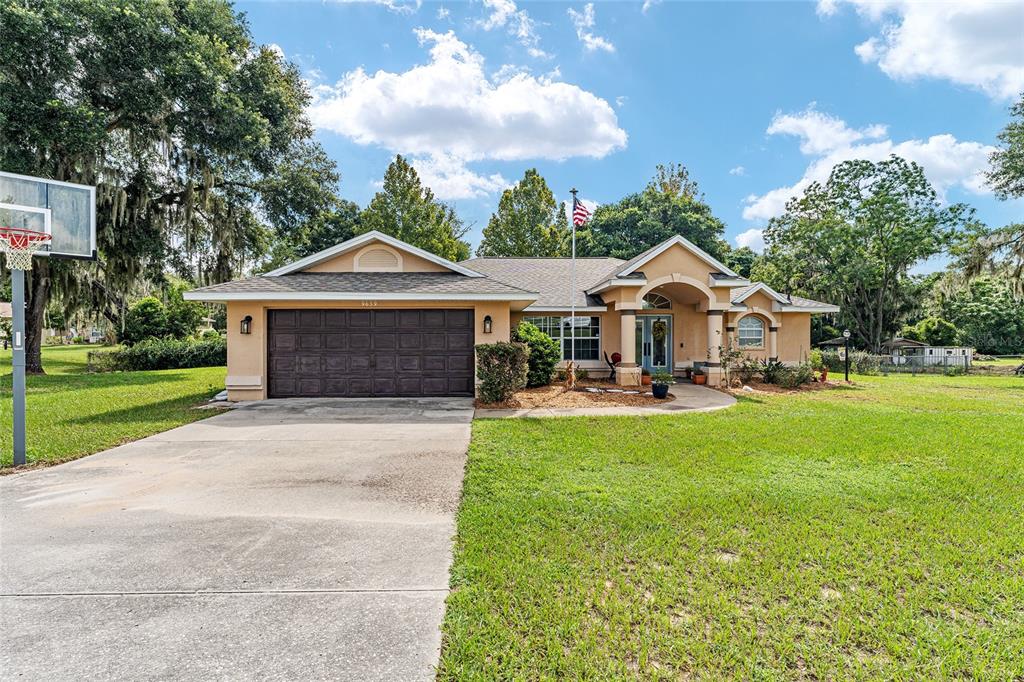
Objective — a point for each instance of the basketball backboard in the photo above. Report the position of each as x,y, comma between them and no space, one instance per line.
64,210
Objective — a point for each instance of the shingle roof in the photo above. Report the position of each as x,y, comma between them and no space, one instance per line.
419,283
794,301
549,277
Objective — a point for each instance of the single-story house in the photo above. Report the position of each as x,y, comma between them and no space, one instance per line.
909,352
374,316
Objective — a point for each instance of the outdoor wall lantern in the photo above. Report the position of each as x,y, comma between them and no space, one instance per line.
247,324
487,324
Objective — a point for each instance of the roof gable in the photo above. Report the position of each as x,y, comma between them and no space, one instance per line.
678,240
762,287
363,240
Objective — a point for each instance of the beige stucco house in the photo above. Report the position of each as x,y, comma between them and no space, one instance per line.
374,316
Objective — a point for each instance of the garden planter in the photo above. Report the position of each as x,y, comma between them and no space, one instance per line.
645,380
660,391
700,379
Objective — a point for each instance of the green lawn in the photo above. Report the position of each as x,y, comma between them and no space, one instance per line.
72,413
873,532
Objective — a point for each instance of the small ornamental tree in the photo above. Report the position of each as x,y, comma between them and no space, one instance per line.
544,354
502,368
146,319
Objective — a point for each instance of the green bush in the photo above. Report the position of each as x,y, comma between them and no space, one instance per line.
746,369
663,377
502,369
146,319
771,371
934,331
816,359
545,353
861,362
210,334
792,377
161,354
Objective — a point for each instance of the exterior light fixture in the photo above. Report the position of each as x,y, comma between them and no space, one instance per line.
247,324
487,324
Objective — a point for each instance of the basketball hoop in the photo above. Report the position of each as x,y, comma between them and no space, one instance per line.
19,245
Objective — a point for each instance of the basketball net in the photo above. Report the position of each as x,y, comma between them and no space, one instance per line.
19,245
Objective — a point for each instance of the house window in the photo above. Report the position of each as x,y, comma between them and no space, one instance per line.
751,332
587,336
656,302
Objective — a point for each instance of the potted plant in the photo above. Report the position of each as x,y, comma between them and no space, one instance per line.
659,384
699,377
645,376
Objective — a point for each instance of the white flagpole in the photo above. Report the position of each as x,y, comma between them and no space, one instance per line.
572,296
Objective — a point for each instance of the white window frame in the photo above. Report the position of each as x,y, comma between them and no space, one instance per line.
554,325
651,306
739,332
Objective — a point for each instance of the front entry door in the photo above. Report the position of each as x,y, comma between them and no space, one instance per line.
654,342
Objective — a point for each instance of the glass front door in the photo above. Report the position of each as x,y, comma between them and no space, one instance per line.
654,342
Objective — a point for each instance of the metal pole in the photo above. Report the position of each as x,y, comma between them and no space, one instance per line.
847,359
572,294
18,363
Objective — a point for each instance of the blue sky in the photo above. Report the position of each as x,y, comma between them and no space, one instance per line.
755,98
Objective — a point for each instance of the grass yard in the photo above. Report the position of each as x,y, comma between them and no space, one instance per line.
872,532
72,413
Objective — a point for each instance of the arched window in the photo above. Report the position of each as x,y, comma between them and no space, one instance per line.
751,332
656,302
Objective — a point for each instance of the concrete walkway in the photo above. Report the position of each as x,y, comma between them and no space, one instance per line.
688,398
283,540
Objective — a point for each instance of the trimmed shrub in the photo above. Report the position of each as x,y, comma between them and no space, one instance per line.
502,369
210,334
545,353
816,358
161,354
861,362
147,318
747,368
791,377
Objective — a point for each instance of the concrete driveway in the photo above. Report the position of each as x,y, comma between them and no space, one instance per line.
284,540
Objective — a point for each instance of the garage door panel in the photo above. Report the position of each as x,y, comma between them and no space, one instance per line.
460,340
363,353
359,341
360,363
384,364
460,385
336,341
384,341
335,364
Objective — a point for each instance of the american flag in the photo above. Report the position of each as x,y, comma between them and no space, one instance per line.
580,213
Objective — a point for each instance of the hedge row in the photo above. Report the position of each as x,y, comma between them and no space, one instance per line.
162,354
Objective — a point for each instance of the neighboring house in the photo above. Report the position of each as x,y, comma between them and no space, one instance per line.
909,352
374,316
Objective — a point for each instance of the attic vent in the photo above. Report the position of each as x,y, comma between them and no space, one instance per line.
378,259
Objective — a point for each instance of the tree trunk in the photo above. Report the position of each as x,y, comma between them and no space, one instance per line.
37,294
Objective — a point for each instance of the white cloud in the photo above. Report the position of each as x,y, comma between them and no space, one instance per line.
752,238
443,13
649,4
820,133
621,100
584,21
977,43
506,14
397,6
738,170
449,178
947,162
448,111
276,49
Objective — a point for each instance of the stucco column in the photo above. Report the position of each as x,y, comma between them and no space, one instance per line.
773,343
628,374
714,337
627,342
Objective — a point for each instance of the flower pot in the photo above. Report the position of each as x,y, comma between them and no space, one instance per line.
660,391
700,379
645,380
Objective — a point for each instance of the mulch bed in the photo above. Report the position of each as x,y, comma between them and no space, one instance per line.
557,396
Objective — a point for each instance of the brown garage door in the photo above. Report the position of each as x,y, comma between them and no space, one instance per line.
361,353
